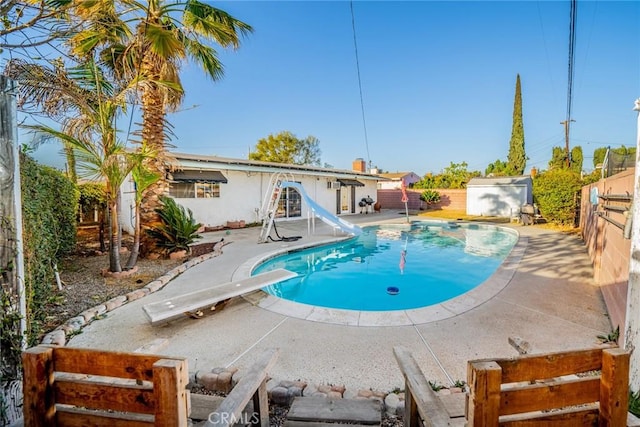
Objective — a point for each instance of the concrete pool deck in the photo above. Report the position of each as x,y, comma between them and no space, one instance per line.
547,298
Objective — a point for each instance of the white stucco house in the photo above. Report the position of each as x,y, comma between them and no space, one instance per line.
499,196
218,189
394,180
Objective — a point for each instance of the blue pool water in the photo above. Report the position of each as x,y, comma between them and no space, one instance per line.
427,263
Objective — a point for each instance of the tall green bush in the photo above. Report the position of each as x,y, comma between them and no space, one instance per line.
49,207
555,193
92,196
455,175
517,158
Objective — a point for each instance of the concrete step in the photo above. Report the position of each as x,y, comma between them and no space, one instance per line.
347,411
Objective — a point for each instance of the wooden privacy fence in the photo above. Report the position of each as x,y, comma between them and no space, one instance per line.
80,387
541,389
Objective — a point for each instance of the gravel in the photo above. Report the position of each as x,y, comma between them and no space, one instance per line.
83,285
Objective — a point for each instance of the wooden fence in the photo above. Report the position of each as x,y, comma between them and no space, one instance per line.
66,386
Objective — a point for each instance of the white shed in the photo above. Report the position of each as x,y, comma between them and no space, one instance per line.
500,196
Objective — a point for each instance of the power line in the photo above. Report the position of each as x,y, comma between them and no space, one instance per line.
572,45
355,46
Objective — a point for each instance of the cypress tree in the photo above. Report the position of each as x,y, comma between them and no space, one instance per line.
517,158
576,159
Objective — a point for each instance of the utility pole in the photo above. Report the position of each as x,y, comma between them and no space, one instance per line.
566,139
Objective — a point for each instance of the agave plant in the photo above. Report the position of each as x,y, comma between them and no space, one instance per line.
430,196
178,229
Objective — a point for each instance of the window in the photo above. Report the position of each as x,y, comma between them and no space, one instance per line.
290,204
194,190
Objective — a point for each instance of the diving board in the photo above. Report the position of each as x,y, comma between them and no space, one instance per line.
186,304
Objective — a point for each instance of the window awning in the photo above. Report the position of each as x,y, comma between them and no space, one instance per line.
353,182
199,176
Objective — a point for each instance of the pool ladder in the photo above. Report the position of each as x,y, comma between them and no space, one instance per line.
270,203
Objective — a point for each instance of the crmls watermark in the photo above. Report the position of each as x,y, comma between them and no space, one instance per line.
230,419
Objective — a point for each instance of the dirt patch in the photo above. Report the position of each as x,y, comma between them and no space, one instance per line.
83,285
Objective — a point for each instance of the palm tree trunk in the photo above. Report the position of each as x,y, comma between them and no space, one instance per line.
153,136
103,246
114,244
135,250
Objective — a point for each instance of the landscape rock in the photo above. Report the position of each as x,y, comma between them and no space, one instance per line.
391,403
208,380
154,285
280,396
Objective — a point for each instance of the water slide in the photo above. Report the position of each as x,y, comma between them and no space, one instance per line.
326,216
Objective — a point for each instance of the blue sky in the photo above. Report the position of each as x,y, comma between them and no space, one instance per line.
438,81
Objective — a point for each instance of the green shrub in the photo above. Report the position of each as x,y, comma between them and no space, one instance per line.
92,196
430,196
634,403
49,206
555,193
178,229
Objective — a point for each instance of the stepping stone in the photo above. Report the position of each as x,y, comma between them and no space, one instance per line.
202,405
347,411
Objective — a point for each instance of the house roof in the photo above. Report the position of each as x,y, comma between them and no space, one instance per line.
197,162
500,180
396,175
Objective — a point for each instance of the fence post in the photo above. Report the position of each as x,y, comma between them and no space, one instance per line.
484,378
261,405
170,378
614,387
38,401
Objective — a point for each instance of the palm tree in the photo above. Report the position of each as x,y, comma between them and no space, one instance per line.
91,133
143,178
164,35
48,90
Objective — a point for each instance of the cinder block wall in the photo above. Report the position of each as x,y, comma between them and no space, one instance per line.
449,199
608,249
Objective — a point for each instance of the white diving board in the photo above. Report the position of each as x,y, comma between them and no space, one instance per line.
186,304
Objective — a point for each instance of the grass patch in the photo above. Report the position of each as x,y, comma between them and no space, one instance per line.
462,216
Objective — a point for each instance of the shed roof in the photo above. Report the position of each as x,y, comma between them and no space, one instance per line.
500,180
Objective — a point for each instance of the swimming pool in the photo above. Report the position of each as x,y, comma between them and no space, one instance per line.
394,267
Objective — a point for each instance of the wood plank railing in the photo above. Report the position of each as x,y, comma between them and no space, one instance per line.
421,405
252,386
583,387
66,386
542,389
